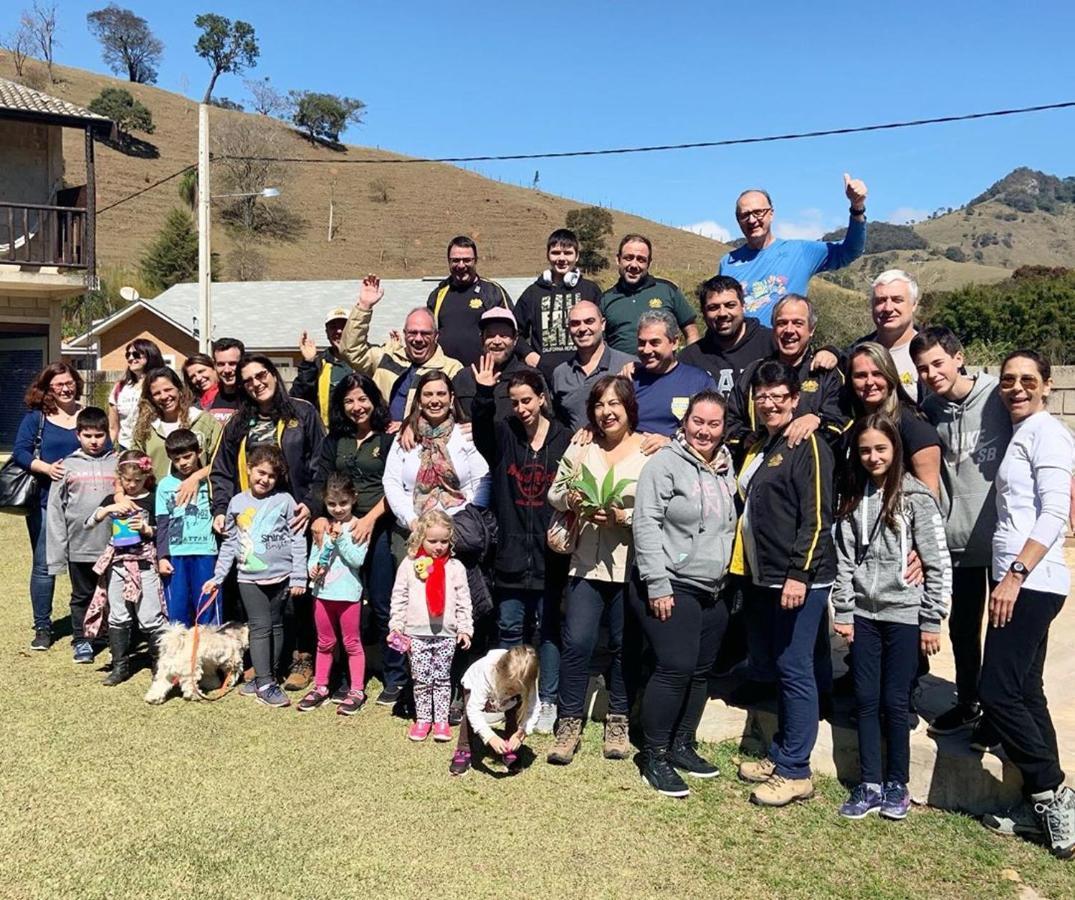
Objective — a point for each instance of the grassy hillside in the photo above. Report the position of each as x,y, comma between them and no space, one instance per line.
405,236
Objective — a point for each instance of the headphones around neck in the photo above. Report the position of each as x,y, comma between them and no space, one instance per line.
570,279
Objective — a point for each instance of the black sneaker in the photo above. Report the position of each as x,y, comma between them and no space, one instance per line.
460,763
684,756
956,719
455,712
353,702
389,695
658,773
341,692
312,700
42,639
984,738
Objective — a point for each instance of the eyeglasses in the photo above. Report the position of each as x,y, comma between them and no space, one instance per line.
135,354
748,214
62,386
261,377
774,397
1026,382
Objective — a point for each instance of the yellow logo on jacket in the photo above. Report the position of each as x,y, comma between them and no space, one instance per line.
679,406
655,303
809,386
475,302
775,460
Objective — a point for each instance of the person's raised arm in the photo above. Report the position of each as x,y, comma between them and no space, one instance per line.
354,343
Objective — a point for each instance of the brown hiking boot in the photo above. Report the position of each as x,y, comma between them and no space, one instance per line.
756,771
568,738
616,744
780,791
302,672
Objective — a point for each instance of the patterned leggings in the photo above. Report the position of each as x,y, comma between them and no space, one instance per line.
431,671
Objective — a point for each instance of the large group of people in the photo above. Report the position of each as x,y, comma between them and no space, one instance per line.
507,498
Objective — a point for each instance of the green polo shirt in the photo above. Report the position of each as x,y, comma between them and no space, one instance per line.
622,305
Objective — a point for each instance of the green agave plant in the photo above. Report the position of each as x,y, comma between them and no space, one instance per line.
604,495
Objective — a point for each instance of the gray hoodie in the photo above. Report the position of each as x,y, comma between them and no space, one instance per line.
975,433
684,520
86,482
871,558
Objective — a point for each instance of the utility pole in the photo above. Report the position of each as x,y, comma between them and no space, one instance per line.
205,309
331,206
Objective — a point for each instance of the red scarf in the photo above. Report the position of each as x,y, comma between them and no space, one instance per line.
434,582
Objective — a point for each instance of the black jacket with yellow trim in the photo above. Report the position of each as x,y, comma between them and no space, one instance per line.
790,505
820,393
315,380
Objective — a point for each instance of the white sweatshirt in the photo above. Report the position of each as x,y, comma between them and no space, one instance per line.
479,681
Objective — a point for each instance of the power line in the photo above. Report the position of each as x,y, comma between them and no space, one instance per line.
728,142
772,138
148,187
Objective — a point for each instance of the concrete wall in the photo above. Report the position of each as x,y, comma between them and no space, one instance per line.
29,309
33,162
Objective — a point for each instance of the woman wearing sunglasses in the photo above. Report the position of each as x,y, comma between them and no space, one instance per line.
1031,581
142,356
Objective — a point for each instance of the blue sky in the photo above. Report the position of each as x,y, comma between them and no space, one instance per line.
509,77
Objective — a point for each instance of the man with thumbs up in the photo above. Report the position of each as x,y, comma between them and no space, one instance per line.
769,267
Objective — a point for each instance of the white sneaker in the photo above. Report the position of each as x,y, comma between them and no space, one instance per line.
1057,814
546,719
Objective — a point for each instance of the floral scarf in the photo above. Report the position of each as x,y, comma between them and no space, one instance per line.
437,484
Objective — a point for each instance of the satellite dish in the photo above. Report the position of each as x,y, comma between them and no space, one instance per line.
129,294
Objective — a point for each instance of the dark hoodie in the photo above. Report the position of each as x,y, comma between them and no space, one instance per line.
541,312
727,365
520,478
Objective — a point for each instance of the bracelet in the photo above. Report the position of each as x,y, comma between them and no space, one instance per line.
858,212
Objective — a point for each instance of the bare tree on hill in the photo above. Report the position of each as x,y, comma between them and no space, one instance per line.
267,100
18,43
127,44
40,23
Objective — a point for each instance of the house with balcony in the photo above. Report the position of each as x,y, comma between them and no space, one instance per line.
47,234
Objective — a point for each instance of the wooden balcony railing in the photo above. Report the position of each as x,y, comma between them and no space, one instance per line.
42,235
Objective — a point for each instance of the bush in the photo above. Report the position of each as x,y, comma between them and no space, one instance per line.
129,115
955,254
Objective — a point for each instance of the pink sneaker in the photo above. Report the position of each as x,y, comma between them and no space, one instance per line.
442,732
419,731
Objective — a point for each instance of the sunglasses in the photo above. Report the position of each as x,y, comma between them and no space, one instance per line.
1026,382
261,377
135,354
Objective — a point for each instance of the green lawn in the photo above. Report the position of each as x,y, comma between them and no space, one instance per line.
102,795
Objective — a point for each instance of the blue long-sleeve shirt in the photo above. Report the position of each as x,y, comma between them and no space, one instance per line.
56,443
785,267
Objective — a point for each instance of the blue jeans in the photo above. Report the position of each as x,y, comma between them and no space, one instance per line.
588,602
42,585
886,658
533,617
378,576
759,626
183,591
793,644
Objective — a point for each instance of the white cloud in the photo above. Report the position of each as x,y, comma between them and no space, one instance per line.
808,226
709,229
904,214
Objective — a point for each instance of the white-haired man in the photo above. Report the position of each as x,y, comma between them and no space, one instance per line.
893,301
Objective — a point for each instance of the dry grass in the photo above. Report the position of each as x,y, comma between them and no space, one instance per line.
104,796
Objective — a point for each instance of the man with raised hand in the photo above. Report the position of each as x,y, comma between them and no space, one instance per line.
732,341
320,371
637,292
460,299
573,379
499,333
395,369
770,267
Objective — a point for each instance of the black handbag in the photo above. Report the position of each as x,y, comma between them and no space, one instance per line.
19,488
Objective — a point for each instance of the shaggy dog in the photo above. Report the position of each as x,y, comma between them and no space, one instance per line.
198,660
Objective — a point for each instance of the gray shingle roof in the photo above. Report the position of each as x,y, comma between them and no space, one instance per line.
272,314
17,100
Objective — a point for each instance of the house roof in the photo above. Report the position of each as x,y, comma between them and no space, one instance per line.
101,325
20,102
271,315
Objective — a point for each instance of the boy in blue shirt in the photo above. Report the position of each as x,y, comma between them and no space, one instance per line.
186,545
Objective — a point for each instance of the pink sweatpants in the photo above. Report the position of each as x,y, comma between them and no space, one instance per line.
345,615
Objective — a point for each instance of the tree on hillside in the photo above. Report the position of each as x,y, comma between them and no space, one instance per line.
267,100
173,255
228,47
40,24
324,116
127,44
591,224
18,43
226,103
129,115
188,188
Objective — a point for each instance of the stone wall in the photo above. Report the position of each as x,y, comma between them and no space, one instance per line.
1062,397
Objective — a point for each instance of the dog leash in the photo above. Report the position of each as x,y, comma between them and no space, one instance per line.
217,693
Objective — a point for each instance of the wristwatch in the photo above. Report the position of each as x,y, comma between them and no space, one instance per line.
1018,568
858,212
